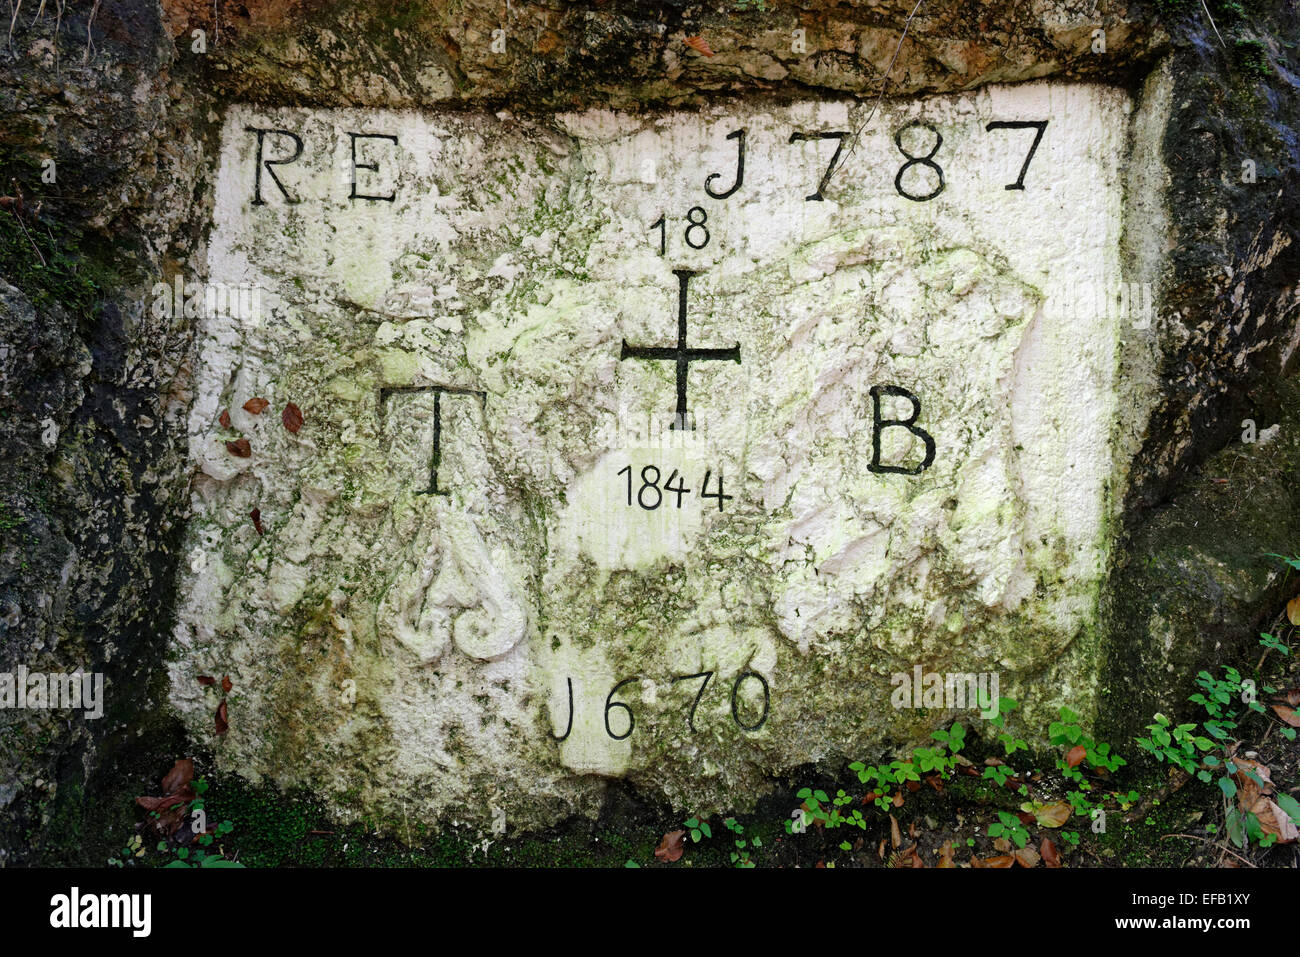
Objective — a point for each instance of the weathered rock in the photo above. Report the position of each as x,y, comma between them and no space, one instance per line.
134,124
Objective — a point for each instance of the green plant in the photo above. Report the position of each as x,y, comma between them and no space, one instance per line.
740,856
1181,746
1069,733
699,828
1273,644
1009,827
1010,743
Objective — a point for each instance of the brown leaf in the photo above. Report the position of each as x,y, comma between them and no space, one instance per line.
207,680
898,799
1292,696
161,804
239,447
1051,858
1293,611
256,516
1287,714
226,684
945,855
224,418
671,846
222,723
1273,820
256,405
895,836
1074,757
292,417
1026,857
1001,844
1261,771
912,786
1050,815
181,774
911,830
1002,860
697,43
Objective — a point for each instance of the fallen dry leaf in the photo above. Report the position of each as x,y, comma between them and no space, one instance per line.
1292,696
256,405
226,684
1293,611
1001,860
698,44
222,722
671,847
1001,844
162,803
256,516
206,680
898,799
895,835
224,418
239,447
1287,714
1051,858
181,774
1049,815
1074,757
1026,857
945,855
1273,820
292,417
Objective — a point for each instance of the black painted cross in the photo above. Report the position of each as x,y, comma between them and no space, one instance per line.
437,391
680,353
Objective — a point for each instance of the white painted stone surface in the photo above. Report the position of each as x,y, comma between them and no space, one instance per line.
514,260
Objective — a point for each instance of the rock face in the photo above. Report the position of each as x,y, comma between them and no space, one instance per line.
963,354
896,454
